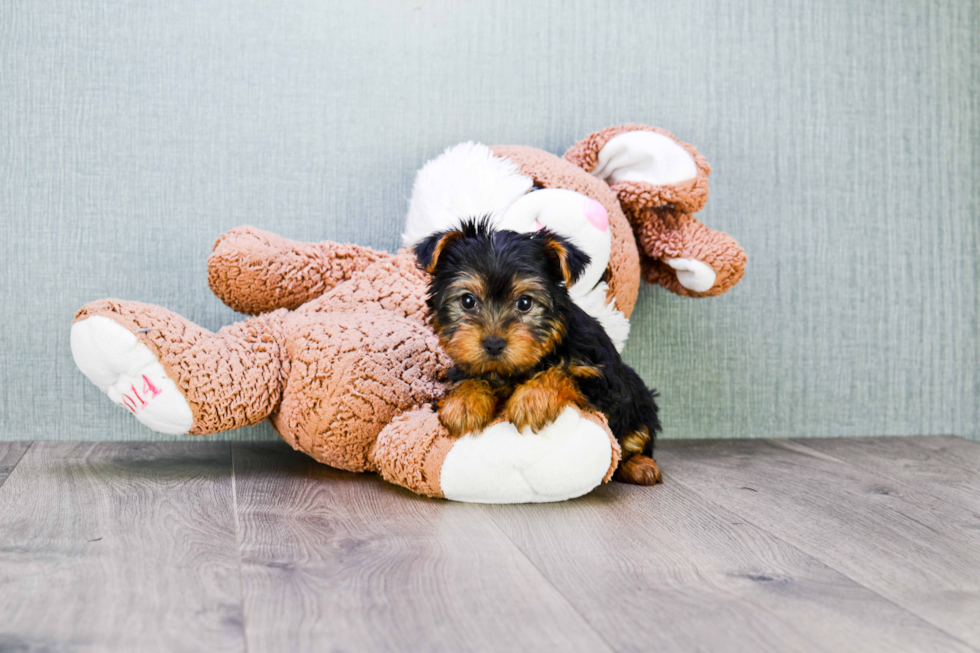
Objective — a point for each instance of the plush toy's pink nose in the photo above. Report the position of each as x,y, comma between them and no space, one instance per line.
597,214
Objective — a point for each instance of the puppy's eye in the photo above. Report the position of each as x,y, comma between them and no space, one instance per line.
524,303
468,301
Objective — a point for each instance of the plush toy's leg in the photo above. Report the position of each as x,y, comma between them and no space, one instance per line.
566,459
176,377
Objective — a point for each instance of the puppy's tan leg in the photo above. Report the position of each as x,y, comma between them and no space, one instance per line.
635,441
636,468
639,470
468,406
541,399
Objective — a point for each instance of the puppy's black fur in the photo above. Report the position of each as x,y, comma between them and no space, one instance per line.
500,304
618,392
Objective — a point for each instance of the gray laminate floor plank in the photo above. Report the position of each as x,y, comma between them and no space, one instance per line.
665,569
958,451
10,455
751,545
887,536
120,547
337,561
946,467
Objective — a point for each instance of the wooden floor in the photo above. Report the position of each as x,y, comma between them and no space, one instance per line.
815,545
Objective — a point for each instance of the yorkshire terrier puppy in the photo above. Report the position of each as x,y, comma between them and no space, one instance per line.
500,306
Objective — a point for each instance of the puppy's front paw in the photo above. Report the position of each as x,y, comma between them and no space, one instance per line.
541,400
639,470
468,406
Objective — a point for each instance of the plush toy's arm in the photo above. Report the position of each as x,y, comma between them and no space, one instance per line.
566,459
254,271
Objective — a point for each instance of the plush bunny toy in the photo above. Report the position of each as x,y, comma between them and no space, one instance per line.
340,357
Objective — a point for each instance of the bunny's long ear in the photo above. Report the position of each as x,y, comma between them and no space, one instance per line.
660,181
646,166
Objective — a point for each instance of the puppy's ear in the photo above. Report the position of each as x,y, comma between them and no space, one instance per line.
428,251
567,259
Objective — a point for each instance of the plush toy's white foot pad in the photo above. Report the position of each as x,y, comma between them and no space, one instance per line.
124,368
566,459
693,274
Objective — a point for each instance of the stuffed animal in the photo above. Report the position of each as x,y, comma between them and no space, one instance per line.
340,357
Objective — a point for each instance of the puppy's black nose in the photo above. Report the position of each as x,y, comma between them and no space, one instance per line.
494,345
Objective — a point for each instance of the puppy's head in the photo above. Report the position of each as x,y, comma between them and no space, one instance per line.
499,298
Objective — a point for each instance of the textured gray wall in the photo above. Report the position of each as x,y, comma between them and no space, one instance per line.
844,137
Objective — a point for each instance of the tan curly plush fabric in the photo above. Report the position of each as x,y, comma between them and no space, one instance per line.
393,282
549,171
